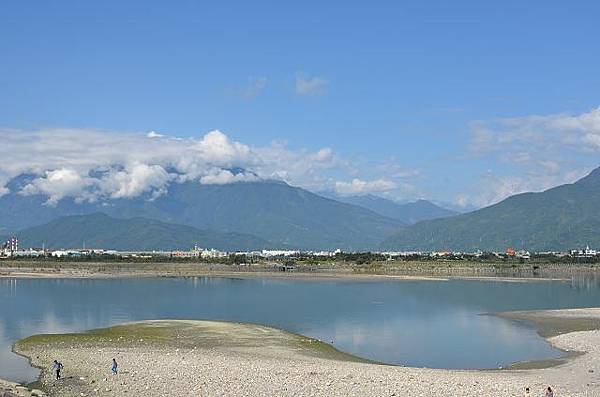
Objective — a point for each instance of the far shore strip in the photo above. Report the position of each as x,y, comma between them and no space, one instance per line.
111,270
205,358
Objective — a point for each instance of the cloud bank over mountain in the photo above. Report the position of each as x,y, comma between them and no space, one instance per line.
92,165
508,155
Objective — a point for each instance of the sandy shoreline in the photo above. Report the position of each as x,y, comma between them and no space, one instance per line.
201,358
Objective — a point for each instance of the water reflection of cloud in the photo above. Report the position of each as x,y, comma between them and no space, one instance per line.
75,318
440,339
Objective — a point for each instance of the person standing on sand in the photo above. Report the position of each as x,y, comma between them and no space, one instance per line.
114,366
549,392
56,366
526,392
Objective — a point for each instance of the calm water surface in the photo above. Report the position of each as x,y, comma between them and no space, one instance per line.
416,323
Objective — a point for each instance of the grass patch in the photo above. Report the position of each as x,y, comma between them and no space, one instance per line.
187,334
125,334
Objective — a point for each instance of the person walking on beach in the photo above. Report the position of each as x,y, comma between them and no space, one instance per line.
56,366
549,392
114,366
527,394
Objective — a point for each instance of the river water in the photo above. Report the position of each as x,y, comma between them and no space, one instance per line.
439,324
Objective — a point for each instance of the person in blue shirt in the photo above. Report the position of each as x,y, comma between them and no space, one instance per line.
114,366
56,366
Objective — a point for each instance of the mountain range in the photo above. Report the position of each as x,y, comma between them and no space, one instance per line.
409,213
564,217
265,214
280,214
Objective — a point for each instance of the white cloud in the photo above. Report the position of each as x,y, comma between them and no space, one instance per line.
57,184
302,167
135,180
494,188
536,152
579,132
89,165
92,165
324,154
216,147
128,182
497,188
359,187
222,177
306,85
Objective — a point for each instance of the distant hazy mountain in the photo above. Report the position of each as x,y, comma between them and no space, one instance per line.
456,208
564,217
101,231
410,213
274,211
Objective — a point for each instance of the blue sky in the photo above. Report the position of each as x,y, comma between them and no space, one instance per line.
461,102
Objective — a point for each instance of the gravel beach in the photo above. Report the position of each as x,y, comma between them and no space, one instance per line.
200,358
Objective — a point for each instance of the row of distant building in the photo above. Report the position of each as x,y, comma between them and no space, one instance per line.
11,249
586,252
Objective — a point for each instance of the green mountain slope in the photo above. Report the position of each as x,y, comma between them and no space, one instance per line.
282,214
564,217
101,231
274,211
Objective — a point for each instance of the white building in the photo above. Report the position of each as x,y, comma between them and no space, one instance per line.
29,252
212,253
585,253
270,253
59,253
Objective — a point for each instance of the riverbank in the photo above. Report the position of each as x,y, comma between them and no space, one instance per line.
342,270
201,358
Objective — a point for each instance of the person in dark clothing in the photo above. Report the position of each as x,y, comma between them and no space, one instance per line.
114,366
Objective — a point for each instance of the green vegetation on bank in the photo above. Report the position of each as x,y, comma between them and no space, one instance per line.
340,259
